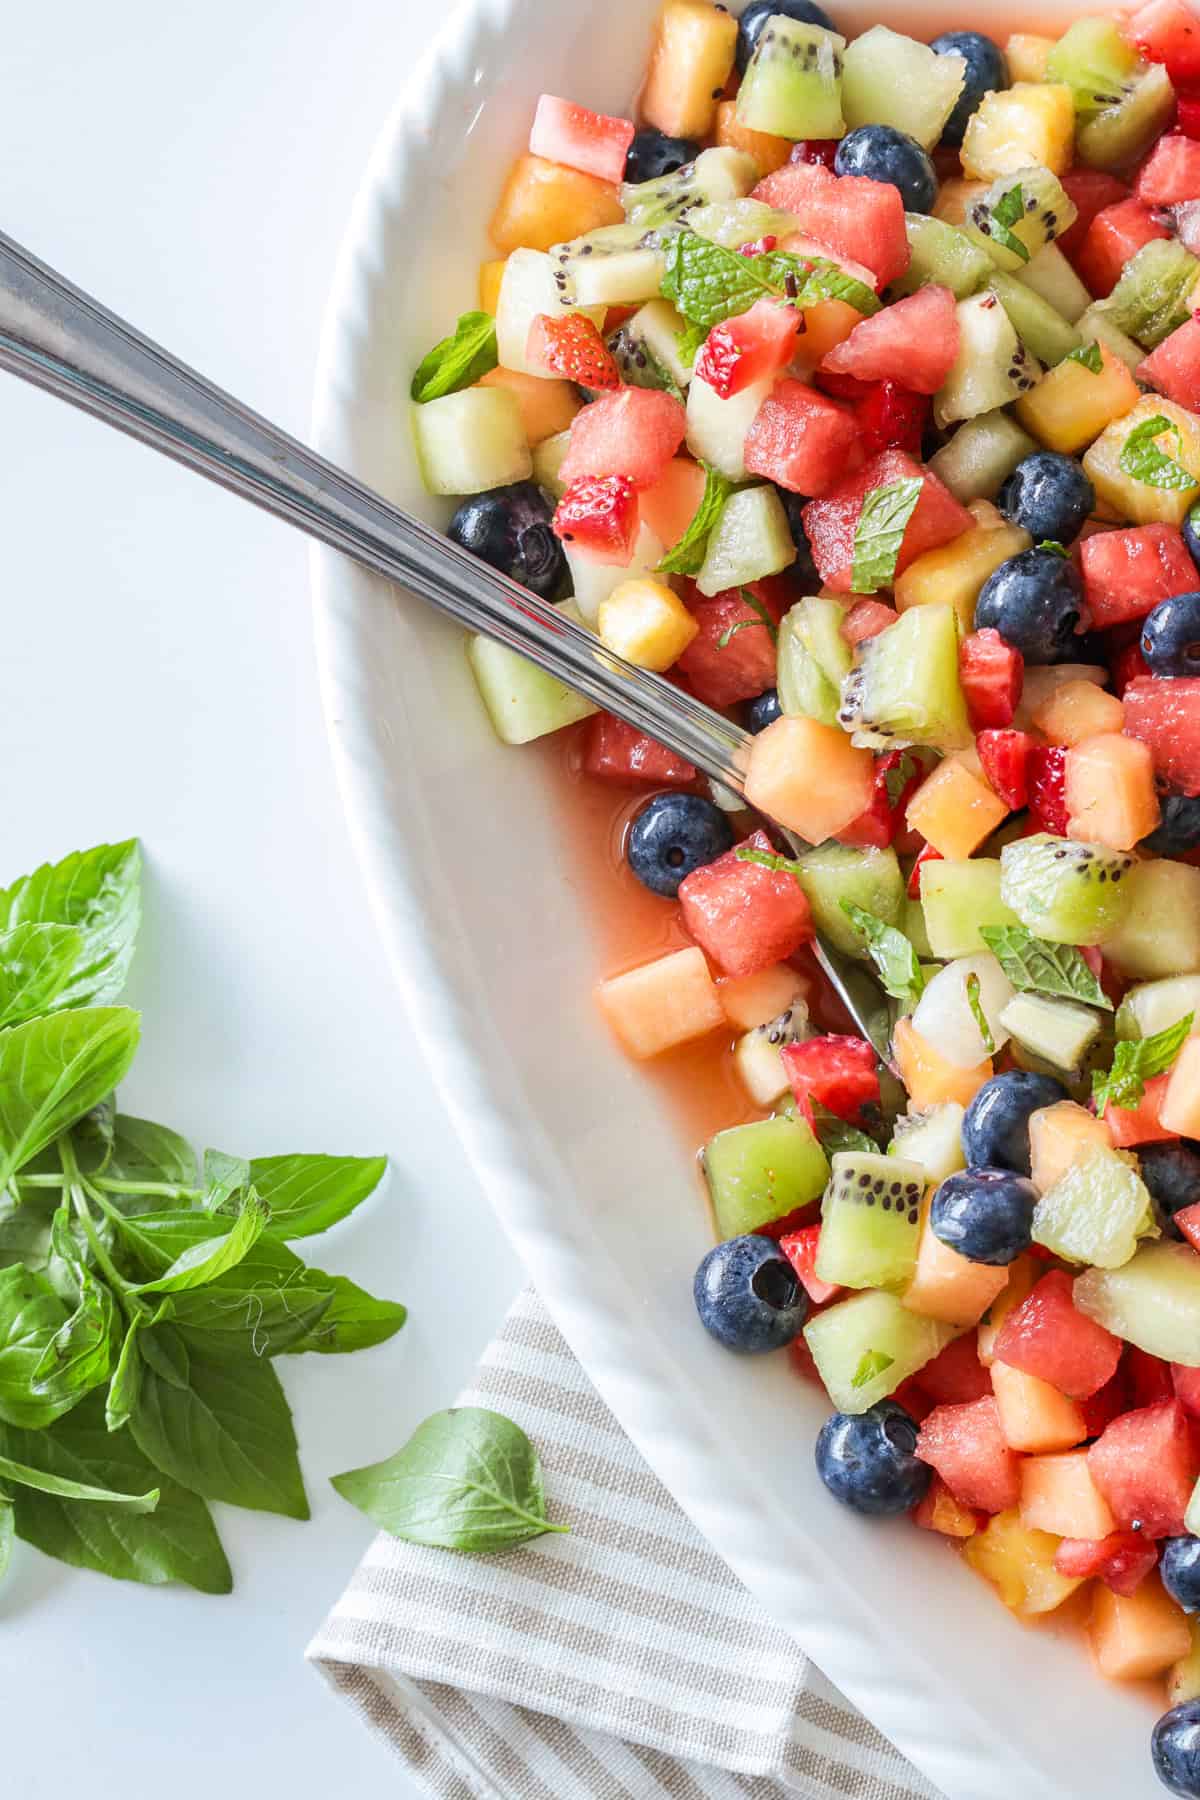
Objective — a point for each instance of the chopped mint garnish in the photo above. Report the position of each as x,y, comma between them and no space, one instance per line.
1142,458
1037,967
880,533
891,952
1087,354
1009,210
458,361
1135,1062
1053,545
978,1014
687,557
872,1363
708,283
764,619
782,865
911,764
834,1134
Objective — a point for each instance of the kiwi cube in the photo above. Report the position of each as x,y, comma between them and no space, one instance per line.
870,1221
1067,892
792,87
1119,134
932,1139
813,659
759,1173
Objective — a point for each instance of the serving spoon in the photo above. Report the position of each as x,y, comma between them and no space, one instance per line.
57,337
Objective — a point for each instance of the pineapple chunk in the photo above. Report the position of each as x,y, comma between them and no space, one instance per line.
954,809
692,59
491,274
664,1003
647,623
955,573
1031,122
1071,405
1026,53
1020,1564
1135,500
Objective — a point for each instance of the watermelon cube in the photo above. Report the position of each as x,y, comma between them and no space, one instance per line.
1168,32
851,215
634,432
732,657
1004,757
614,751
1121,1560
913,342
1113,238
839,1073
800,1248
968,1449
1174,368
1171,173
1106,1404
992,674
1047,785
1187,120
1129,665
1166,716
1126,573
599,518
743,916
749,347
581,139
802,440
1049,1337
865,620
1146,1465
892,417
878,825
1140,1124
956,1376
1187,1388
1091,190
1147,1378
830,522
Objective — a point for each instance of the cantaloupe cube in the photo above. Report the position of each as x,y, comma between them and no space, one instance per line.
647,623
1180,1110
690,62
669,507
750,1000
955,196
547,406
1033,1415
1137,1635
1030,122
662,1004
546,203
1137,501
1060,1136
1070,406
940,1511
826,325
954,809
1021,1276
948,1286
1026,53
1059,1495
770,153
809,777
954,573
1077,710
1020,1564
1109,790
491,274
926,1074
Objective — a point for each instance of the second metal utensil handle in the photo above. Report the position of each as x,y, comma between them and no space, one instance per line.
57,337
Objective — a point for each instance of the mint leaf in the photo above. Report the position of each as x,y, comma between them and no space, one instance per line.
687,557
1054,547
709,284
834,1134
872,1364
1087,354
1008,210
1142,459
96,892
767,860
55,1069
457,361
1038,967
764,619
1135,1062
880,533
891,952
978,1014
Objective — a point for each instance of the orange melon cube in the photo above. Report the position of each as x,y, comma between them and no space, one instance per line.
940,1511
955,810
690,62
1059,1495
926,1074
948,1286
668,508
1180,1110
491,274
662,1004
750,1000
1137,1635
547,405
1078,710
1071,406
1019,1563
809,777
1109,789
770,153
955,196
1034,1416
1060,1136
1022,1275
826,325
545,203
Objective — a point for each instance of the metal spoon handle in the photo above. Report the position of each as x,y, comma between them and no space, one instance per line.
57,337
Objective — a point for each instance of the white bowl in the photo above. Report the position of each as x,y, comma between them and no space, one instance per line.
492,948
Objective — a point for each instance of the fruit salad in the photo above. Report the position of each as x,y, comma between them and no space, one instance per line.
854,386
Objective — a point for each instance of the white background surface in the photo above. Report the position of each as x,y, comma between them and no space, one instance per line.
193,167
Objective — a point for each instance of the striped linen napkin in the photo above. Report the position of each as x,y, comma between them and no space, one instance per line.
621,1662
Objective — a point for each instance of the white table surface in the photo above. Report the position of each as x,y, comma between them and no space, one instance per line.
193,167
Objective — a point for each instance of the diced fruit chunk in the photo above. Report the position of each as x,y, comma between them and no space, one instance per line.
992,675
839,1073
599,518
544,203
1121,1560
1136,500
745,916
801,439
634,432
1031,122
471,441
1174,368
851,214
1072,403
1166,716
1127,573
792,83
862,1244
750,1000
1068,892
1113,238
1020,1564
760,1173
889,79
967,1448
1146,1465
950,1287
1034,1416
1078,710
547,406
954,573
1005,757
523,702
1022,1275
1109,789
769,152
1160,934
836,873
1137,1635
800,1248
940,1511
1095,1213
733,657
1048,1337
956,1375
831,521
614,751
954,810
647,623
662,1004
929,1077
752,345
690,63
1167,32
1181,1104
1060,1136
566,133
914,341
1059,1495
907,683
809,777
872,1323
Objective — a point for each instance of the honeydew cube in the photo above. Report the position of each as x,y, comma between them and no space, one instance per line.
1035,1417
1109,790
662,1004
871,1322
647,623
1155,1006
544,202
809,777
1183,1682
1135,500
522,701
750,1000
529,287
1153,1301
1059,1495
1060,1032
1098,323
1022,1275
1096,1212
1137,1635
1071,405
980,457
955,572
751,540
955,809
690,62
1060,1136
1049,274
1031,122
1019,1563
471,441
959,897
548,459
716,428
1160,934
1180,1110
889,79
929,1077
948,1286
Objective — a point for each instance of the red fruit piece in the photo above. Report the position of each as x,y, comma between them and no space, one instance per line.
992,674
1049,1337
880,824
967,1448
801,439
1187,117
830,522
732,657
892,417
600,517
1122,1560
748,348
1129,665
634,433
927,854
1186,1382
1047,788
850,214
815,150
1146,1465
1168,31
866,619
800,1248
1005,757
1105,1405
913,1398
1170,173
1114,236
1188,1221
594,142
572,347
1126,573
913,342
1091,190
1147,1378
1140,1124
743,916
1166,716
1174,368
956,1375
839,1073
614,751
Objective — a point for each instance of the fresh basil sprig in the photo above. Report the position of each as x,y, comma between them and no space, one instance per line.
1137,1061
687,556
892,953
880,533
457,361
1038,967
1142,459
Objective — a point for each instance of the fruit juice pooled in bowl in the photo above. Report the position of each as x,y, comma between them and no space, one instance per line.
854,385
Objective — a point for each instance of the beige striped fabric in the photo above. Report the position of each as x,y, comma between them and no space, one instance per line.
621,1662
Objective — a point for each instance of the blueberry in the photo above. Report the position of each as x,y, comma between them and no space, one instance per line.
1172,1173
1034,600
1179,1567
984,1214
1170,639
1049,496
652,153
509,527
803,573
884,154
672,835
986,69
1191,533
1175,1747
748,1295
762,711
869,1460
1179,829
750,25
995,1132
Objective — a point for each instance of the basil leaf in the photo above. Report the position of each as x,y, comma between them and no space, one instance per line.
978,1014
458,361
1142,459
709,284
467,1479
22,1475
31,1315
880,533
1137,1061
354,1319
91,1145
127,1378
687,557
24,1234
176,1542
1036,966
1087,354
1009,210
204,1260
53,1070
156,1240
97,892
893,955
145,1151
308,1194
871,1364
241,1315
80,1355
223,1177
227,1435
35,965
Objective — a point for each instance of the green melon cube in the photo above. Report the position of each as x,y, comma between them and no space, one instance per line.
943,254
522,701
471,441
868,878
1157,1005
890,79
956,899
981,456
1160,933
1153,1302
1060,1032
1096,1212
762,1172
866,1346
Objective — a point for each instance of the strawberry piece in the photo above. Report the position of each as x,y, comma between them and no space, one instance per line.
992,674
1122,1560
572,348
815,150
880,823
748,348
600,516
1187,119
1047,788
866,619
839,1073
800,1248
614,751
1188,1221
926,855
1005,756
